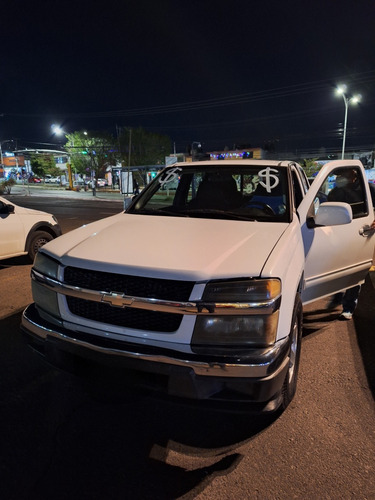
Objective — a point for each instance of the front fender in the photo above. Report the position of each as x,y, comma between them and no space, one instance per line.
287,262
53,229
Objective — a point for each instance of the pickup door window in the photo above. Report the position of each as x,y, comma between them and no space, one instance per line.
337,256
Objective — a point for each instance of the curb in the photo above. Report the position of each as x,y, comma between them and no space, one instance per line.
66,193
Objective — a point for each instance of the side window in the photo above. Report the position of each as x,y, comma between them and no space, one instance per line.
346,185
196,180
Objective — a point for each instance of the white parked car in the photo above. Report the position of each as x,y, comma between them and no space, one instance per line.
54,180
102,182
24,231
99,183
200,288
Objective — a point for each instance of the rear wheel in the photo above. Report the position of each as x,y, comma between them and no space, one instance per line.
290,383
38,239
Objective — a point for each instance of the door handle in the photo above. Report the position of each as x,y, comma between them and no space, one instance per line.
366,231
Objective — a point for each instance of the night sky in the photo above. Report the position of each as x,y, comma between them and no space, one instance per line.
222,73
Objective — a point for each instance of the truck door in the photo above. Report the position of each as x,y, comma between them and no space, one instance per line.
338,255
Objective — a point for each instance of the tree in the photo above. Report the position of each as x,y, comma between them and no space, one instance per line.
91,152
140,147
43,164
310,166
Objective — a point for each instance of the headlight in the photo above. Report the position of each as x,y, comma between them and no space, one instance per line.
46,265
43,297
255,329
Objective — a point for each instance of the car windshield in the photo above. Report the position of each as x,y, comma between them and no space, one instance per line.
235,191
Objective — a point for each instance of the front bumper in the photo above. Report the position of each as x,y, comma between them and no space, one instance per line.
244,375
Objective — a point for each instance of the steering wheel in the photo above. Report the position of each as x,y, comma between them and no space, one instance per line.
263,206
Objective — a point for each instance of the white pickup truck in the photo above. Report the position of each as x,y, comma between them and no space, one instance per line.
197,288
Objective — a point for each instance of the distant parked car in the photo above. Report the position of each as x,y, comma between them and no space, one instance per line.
54,180
99,183
35,180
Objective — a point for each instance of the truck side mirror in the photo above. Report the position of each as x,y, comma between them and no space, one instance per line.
333,213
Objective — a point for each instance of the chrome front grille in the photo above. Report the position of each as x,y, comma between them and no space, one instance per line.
128,285
128,317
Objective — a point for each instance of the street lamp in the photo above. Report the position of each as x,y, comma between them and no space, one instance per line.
57,130
198,144
341,90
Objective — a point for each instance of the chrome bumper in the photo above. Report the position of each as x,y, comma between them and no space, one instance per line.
263,370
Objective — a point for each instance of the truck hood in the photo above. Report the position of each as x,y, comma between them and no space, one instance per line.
169,247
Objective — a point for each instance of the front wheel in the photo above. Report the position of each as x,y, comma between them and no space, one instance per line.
290,383
38,239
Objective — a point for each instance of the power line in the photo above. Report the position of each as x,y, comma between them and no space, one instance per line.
257,96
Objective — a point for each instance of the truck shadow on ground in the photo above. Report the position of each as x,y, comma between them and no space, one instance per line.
58,441
23,260
364,320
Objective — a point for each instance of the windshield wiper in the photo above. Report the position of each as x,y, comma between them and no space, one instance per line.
214,211
159,211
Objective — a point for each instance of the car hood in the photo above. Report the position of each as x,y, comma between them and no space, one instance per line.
22,210
169,247
29,211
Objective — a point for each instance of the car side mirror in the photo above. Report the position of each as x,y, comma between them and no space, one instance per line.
333,213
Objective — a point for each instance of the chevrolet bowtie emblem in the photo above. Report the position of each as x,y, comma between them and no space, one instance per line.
117,299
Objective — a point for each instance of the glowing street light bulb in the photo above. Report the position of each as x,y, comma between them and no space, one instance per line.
356,98
341,89
56,129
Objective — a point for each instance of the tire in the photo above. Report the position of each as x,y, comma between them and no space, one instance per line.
38,239
290,383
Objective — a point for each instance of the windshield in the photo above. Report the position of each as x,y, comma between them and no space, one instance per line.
233,191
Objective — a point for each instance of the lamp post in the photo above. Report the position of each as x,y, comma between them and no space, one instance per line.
341,90
198,144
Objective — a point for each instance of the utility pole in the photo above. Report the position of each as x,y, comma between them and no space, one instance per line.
129,156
